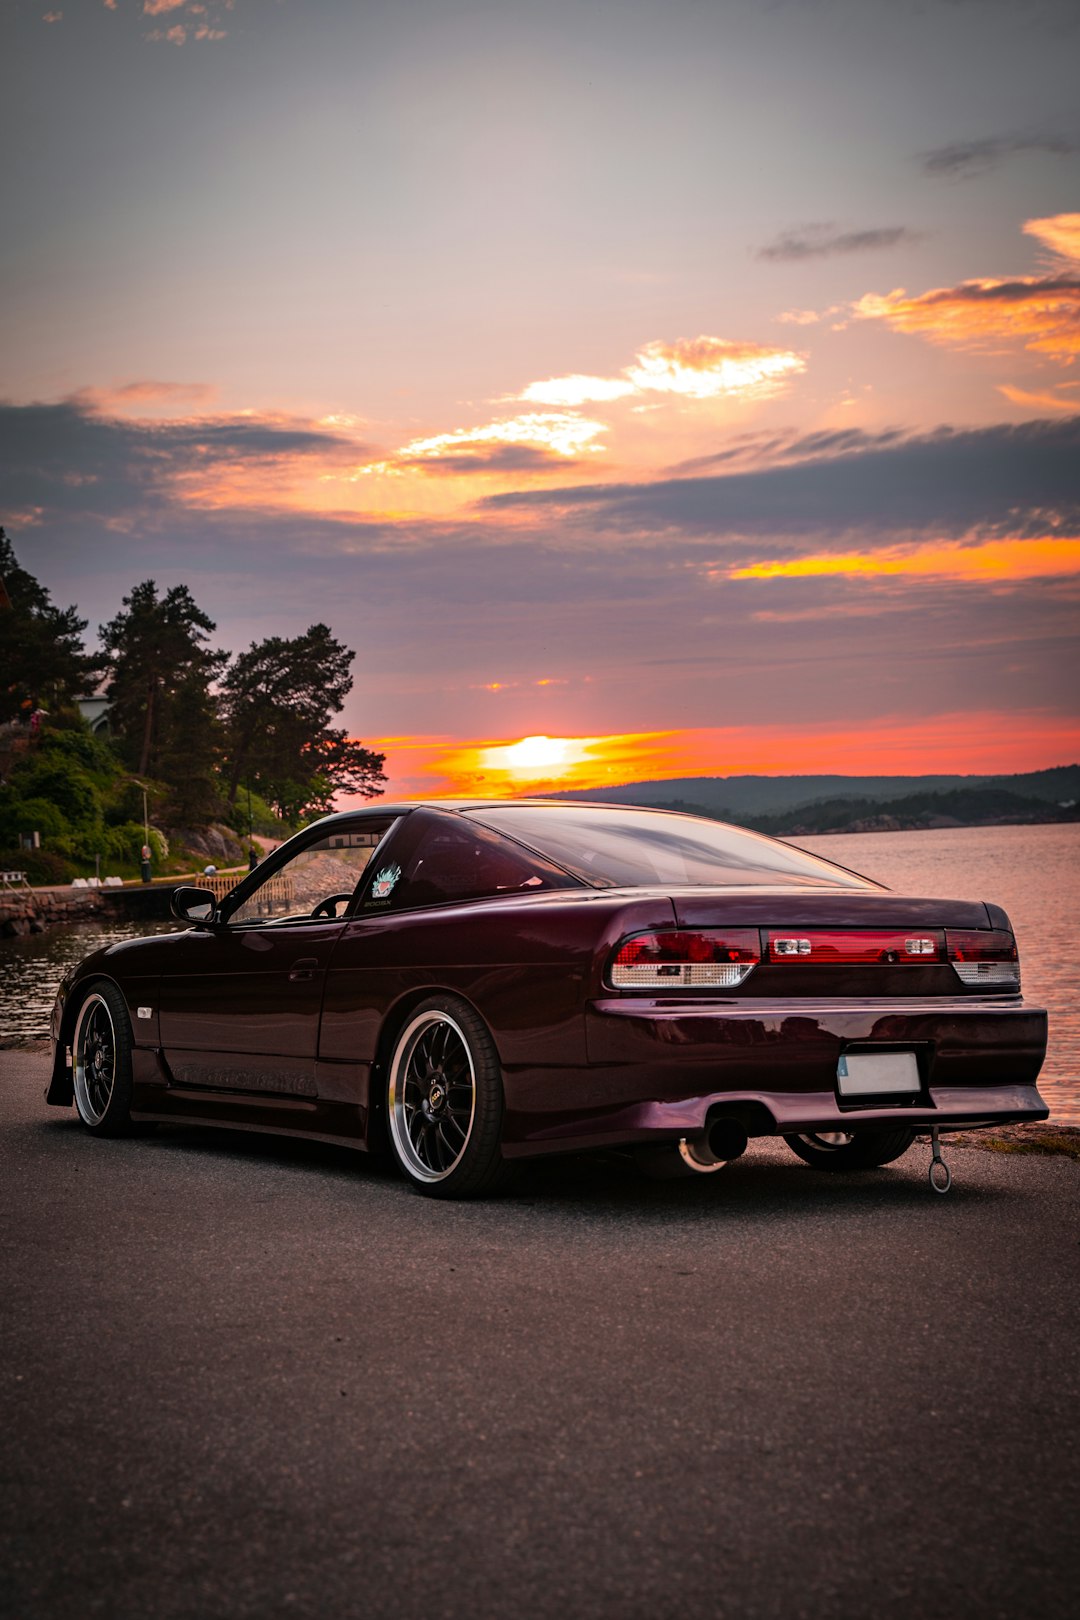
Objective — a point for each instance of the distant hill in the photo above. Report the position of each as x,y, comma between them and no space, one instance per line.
961,807
741,797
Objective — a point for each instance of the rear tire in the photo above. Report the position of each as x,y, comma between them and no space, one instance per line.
101,1062
850,1150
444,1102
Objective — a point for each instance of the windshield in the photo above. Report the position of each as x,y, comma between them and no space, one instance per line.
614,848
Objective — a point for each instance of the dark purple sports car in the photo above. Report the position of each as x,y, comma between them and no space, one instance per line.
476,982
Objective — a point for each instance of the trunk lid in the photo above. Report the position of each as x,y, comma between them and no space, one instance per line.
814,908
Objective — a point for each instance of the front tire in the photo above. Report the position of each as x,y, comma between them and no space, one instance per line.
101,1062
849,1150
444,1102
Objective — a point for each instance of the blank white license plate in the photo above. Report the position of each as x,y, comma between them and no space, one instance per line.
877,1074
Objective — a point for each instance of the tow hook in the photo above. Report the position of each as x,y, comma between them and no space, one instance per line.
940,1179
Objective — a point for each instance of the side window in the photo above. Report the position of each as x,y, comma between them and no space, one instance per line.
320,878
455,859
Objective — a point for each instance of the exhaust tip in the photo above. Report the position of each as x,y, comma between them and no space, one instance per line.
726,1139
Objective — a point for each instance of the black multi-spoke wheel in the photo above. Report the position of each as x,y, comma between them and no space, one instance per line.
444,1101
851,1150
101,1062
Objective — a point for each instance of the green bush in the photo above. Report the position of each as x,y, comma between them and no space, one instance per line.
40,865
67,786
122,846
19,816
78,746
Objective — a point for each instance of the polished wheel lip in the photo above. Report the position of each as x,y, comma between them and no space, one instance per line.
827,1141
419,1093
93,1051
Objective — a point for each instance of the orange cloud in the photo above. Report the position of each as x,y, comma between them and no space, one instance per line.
562,433
956,743
696,368
991,561
1039,402
216,461
576,390
703,367
1042,312
198,26
133,398
1060,233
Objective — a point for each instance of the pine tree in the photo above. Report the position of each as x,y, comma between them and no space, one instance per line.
160,675
43,664
278,698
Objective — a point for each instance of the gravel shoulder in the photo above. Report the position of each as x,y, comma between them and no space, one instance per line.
244,1376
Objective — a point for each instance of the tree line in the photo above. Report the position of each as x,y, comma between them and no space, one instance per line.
205,727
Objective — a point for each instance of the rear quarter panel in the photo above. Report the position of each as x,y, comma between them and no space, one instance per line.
527,964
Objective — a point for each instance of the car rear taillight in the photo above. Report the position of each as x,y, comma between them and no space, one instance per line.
985,956
684,959
915,947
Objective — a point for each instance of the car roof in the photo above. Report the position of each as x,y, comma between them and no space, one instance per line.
392,806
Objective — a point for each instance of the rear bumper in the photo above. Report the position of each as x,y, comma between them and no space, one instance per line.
658,1071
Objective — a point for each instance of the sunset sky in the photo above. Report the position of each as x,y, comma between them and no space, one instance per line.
642,387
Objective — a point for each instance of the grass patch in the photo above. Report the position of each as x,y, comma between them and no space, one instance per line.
1040,1142
1062,1140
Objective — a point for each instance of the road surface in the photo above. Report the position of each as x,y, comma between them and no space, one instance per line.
246,1377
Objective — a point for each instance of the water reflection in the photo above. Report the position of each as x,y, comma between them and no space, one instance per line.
31,968
1034,872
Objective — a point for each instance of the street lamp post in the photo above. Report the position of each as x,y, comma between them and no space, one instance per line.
145,861
253,859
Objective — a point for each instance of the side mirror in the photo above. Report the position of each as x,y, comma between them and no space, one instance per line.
193,905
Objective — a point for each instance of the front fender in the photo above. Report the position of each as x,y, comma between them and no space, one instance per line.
60,1092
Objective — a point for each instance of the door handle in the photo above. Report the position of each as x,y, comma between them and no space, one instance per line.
304,968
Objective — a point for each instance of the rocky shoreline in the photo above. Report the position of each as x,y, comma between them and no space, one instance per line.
31,911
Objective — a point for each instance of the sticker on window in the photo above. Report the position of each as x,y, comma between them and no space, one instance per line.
384,882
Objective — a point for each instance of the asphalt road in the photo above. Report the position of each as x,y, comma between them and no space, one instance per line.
245,1377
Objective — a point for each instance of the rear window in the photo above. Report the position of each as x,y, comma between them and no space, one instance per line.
615,849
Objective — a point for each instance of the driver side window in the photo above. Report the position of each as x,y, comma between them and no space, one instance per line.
320,877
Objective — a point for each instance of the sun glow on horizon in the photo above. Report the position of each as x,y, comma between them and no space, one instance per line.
533,753
982,742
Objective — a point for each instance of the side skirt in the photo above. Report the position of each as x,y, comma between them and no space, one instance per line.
342,1124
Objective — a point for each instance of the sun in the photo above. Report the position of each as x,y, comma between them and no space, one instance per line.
535,753
539,764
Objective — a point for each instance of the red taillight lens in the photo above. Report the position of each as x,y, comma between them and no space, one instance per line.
686,959
892,947
985,956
